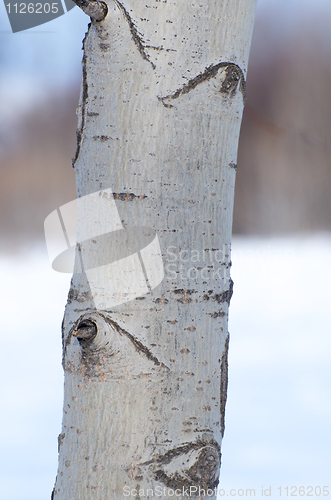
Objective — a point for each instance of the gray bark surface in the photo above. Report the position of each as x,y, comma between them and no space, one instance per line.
145,379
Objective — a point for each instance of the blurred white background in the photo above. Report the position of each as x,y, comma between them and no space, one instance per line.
279,397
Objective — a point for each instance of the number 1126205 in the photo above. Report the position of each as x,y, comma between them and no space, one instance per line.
32,8
303,491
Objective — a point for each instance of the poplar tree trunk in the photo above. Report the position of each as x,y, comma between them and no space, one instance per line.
145,337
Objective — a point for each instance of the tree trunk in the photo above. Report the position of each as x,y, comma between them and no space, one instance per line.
145,327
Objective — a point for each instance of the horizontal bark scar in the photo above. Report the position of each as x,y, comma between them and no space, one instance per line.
167,457
128,196
102,138
134,33
159,48
229,86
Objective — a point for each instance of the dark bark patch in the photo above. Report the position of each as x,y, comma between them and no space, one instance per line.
102,138
172,321
185,350
224,383
224,296
161,301
128,196
104,47
190,328
184,299
159,48
60,439
217,314
76,295
62,331
79,132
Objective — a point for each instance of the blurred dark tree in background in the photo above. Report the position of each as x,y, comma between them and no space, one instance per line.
36,172
284,166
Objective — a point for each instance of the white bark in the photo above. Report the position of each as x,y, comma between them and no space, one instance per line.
159,118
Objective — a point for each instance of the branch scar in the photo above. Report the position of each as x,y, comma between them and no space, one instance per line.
139,346
134,34
234,76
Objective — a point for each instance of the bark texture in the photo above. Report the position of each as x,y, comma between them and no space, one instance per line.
145,380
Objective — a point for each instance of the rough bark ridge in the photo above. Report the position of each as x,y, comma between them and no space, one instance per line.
159,117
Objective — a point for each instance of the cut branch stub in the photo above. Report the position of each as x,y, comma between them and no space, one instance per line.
93,8
86,332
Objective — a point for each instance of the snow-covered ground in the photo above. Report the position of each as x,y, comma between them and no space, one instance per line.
279,400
